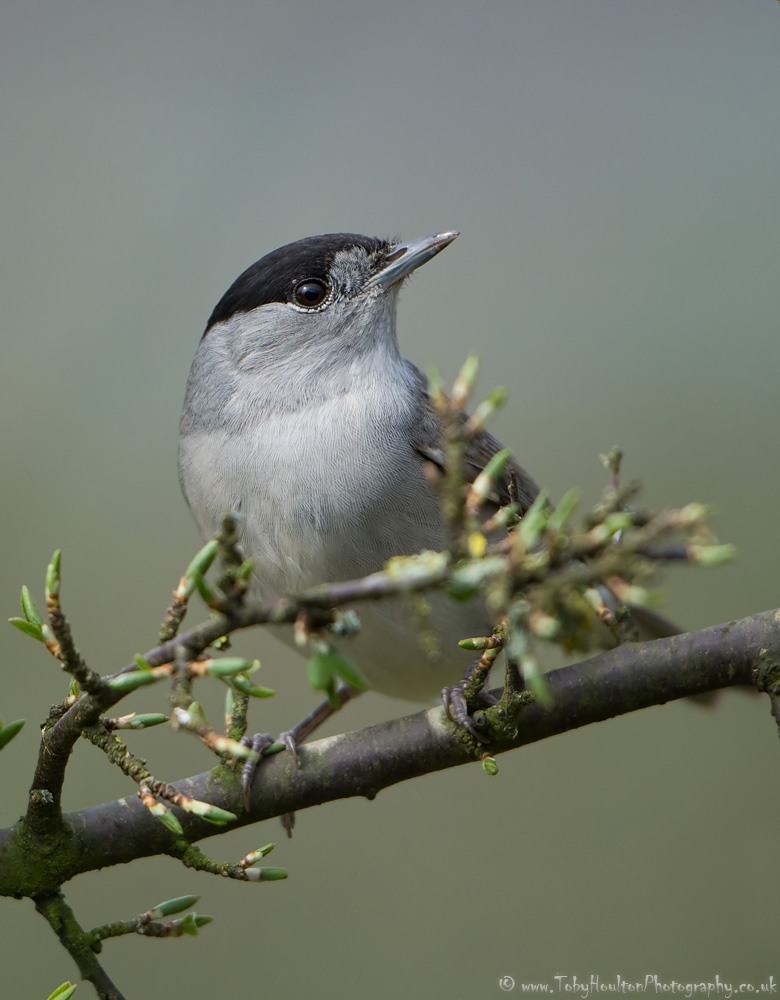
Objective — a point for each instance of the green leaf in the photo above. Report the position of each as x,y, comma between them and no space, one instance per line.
29,610
188,924
7,734
328,664
29,628
321,676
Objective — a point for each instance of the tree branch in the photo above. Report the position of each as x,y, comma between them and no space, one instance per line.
77,942
626,679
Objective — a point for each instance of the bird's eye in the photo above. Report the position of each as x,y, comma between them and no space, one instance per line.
310,293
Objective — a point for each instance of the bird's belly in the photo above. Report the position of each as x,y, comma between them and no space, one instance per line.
335,506
301,533
391,652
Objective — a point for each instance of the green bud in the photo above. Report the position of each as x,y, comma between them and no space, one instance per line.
254,856
562,514
131,681
490,766
171,906
197,712
464,383
212,814
236,749
8,733
148,719
692,513
486,479
244,571
134,721
188,924
140,662
612,461
620,520
245,686
533,522
434,381
198,567
229,665
503,517
478,642
712,555
29,610
266,874
498,396
167,818
53,578
29,628
482,413
63,992
210,596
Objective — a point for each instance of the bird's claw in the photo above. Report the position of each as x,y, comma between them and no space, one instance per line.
454,702
290,742
258,743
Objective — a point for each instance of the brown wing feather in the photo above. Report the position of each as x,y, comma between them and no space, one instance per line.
479,451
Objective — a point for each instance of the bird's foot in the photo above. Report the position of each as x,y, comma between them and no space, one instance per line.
292,739
456,702
257,743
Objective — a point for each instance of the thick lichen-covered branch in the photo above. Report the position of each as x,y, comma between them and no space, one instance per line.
623,680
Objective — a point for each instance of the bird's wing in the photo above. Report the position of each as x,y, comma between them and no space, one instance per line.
524,491
513,484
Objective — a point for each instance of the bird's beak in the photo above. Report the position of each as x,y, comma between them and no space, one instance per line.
403,258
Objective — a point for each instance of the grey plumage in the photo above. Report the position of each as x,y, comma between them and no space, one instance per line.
310,424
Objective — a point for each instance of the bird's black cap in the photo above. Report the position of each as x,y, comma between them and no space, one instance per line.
271,278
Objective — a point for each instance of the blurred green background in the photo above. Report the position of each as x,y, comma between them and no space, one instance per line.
612,165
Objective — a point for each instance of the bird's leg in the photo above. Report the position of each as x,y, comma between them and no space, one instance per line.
467,694
292,738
